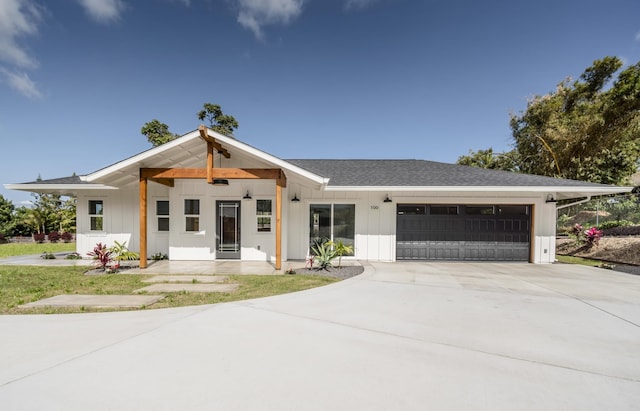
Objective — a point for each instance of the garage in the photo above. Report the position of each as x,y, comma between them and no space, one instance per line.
485,232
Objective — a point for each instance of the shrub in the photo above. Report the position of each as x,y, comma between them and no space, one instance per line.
159,256
341,249
3,239
48,256
615,223
102,255
592,236
73,256
53,236
38,237
66,237
325,254
121,252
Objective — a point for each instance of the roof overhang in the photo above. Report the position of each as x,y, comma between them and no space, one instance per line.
561,192
61,189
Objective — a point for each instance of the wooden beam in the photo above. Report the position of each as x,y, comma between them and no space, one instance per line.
209,162
228,173
278,226
164,181
203,135
143,221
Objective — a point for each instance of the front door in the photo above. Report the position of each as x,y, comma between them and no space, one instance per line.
228,230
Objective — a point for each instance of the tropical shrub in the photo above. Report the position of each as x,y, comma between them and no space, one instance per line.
340,248
39,237
3,239
592,236
325,254
53,236
66,237
102,255
615,223
121,252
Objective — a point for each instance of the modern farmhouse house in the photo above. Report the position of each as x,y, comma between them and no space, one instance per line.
206,196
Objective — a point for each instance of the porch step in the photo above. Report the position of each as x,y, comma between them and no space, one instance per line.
191,279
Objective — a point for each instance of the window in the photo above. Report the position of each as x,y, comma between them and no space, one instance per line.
411,209
334,222
192,214
162,212
479,210
263,212
96,212
443,210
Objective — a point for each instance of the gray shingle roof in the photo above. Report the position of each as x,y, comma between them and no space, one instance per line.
61,180
398,173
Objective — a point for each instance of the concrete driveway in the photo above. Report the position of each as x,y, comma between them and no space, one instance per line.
402,336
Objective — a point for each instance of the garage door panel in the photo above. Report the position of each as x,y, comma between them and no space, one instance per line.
479,236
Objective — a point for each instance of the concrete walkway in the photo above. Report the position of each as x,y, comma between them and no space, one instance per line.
402,336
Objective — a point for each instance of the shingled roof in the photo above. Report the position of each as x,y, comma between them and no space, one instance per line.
422,173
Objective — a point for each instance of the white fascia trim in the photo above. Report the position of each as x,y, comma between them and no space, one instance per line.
533,189
58,187
141,156
252,151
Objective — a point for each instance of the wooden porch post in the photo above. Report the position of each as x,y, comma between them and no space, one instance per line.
278,224
143,221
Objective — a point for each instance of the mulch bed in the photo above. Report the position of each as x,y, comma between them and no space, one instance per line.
344,272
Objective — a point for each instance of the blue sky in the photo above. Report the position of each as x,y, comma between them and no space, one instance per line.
305,78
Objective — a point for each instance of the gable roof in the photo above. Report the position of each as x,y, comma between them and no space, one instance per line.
332,175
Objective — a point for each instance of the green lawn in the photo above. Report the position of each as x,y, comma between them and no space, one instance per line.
567,259
14,249
24,284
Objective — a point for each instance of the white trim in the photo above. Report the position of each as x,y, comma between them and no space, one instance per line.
58,187
142,156
533,189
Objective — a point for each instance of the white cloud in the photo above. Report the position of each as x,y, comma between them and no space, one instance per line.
358,4
255,14
103,11
22,83
18,18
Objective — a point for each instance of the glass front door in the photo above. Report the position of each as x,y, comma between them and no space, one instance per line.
228,230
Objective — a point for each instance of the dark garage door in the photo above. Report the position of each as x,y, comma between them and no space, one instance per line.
463,232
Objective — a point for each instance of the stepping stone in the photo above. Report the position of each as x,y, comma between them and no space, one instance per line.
187,279
192,288
96,301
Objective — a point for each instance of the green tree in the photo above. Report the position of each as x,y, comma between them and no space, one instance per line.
490,160
6,216
157,133
586,130
218,121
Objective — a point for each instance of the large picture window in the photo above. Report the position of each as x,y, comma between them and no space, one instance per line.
335,222
96,215
192,214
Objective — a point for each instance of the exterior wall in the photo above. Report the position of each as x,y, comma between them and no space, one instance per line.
375,220
256,246
375,238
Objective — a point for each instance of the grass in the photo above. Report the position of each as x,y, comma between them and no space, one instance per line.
15,249
23,284
567,259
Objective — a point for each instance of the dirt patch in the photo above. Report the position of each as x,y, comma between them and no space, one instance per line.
624,252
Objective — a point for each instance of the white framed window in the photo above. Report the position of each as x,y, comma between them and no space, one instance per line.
192,214
96,215
264,215
162,215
